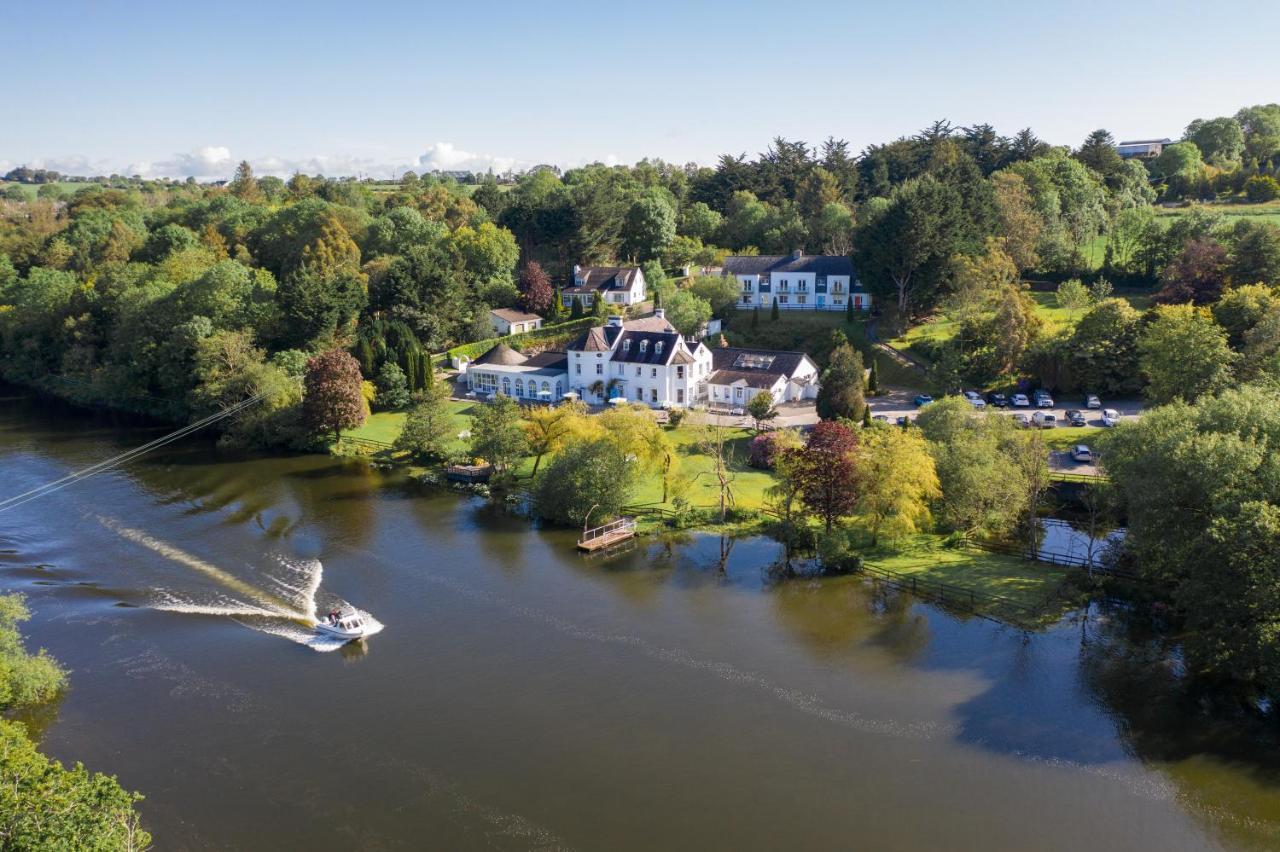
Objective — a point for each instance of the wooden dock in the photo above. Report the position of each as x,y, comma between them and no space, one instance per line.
614,532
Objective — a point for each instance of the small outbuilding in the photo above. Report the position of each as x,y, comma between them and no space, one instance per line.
507,321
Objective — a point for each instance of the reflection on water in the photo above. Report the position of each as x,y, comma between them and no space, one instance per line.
679,695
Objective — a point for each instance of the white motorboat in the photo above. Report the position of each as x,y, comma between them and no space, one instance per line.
345,623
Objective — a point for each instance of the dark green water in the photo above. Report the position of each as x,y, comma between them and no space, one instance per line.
522,697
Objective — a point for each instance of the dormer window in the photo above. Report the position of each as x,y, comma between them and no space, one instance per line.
644,346
626,346
657,348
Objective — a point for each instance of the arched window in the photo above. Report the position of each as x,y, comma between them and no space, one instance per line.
506,386
644,346
657,348
558,393
546,388
519,387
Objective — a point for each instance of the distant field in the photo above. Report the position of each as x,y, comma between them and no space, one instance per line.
65,189
1095,250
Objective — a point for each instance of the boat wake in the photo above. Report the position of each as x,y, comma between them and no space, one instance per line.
284,602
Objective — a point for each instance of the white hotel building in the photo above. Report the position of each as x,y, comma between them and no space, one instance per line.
797,282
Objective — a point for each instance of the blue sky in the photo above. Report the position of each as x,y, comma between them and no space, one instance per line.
378,87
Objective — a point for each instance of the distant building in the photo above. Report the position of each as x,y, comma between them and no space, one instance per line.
615,285
1142,149
797,281
739,374
507,321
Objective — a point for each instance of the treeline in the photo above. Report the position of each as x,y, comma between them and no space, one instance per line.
45,805
175,298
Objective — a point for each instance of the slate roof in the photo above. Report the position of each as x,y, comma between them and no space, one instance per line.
602,278
629,348
511,315
728,359
549,361
601,338
770,264
753,378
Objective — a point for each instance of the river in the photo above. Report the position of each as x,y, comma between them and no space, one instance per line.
523,697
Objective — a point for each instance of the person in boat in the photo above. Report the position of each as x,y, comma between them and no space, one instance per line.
333,616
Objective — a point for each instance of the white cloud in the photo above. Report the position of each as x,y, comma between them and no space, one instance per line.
217,162
444,156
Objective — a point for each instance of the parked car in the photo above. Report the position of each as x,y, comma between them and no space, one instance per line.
923,399
1081,453
1045,419
999,400
1110,417
1021,420
904,420
1020,401
1092,401
1076,417
881,418
975,399
1043,400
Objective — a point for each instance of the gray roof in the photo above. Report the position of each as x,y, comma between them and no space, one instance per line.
512,315
753,378
629,349
602,337
769,264
731,359
602,278
550,360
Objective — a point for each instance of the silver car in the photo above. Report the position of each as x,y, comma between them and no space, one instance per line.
1110,417
1092,401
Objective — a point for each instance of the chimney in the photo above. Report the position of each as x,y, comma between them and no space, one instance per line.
577,274
615,321
660,313
797,254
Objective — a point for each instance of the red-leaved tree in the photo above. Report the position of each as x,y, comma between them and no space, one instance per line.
1196,275
331,398
825,471
536,293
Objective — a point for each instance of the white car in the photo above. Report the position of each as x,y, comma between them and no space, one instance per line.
1045,419
975,399
1020,401
1081,453
1021,420
1110,417
1043,400
1092,401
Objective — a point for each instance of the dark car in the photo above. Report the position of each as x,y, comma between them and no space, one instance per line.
1076,417
999,400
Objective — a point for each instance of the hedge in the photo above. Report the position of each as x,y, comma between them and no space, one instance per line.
546,334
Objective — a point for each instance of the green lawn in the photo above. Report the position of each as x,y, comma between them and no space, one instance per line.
385,426
1095,250
1028,583
1056,320
1066,437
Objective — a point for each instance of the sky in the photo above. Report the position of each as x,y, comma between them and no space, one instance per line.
376,88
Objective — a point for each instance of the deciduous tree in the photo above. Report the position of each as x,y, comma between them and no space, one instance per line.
332,399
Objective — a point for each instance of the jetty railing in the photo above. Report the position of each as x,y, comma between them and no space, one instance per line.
606,534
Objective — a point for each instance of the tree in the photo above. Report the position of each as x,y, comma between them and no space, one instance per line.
713,442
1242,308
826,472
755,317
331,398
1261,127
903,251
1220,140
687,312
497,435
1098,152
1184,354
773,310
761,409
1197,485
244,186
975,455
873,382
1020,225
1262,188
1196,275
841,394
547,429
588,479
393,387
650,226
896,481
1255,253
1073,296
428,427
575,312
1103,349
536,293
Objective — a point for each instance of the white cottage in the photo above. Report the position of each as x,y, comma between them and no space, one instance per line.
615,285
739,374
644,360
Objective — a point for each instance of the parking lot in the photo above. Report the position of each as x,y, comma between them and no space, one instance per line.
898,402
